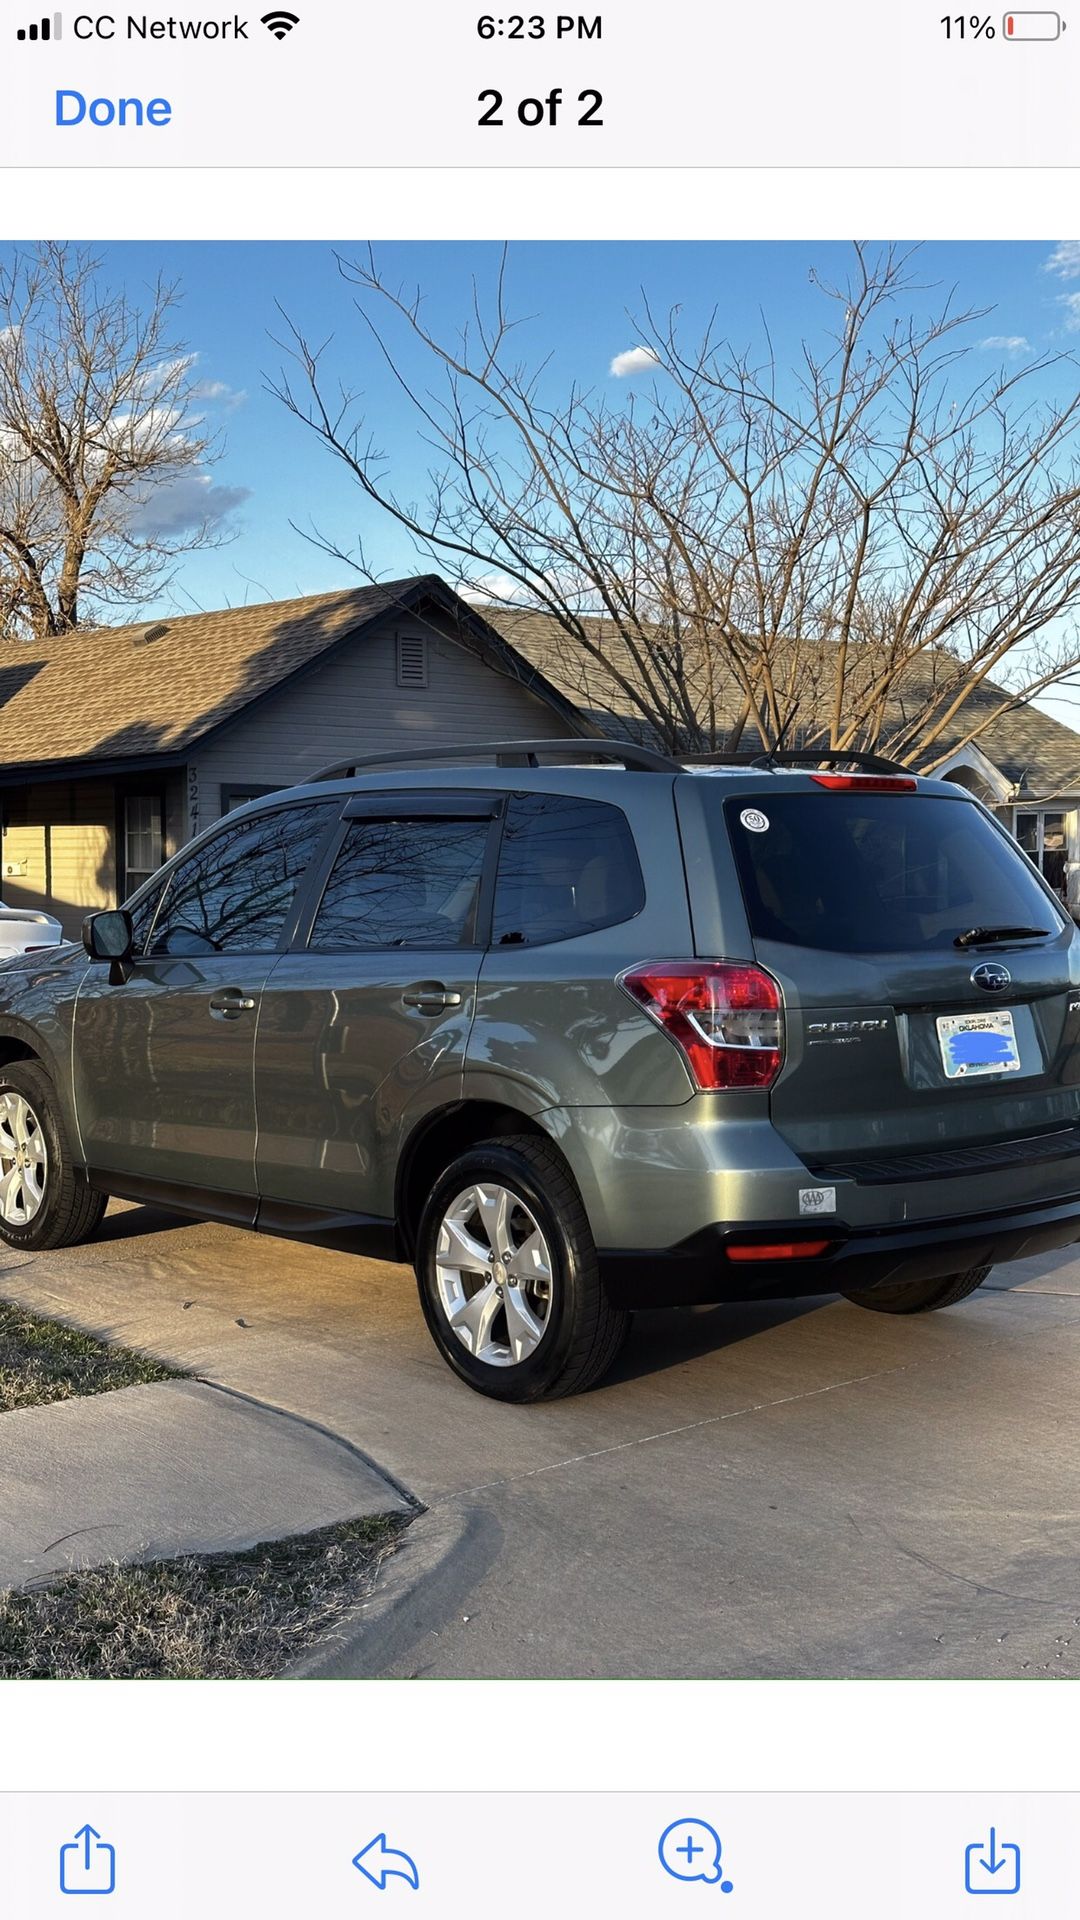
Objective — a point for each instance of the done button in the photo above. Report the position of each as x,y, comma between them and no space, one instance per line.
73,108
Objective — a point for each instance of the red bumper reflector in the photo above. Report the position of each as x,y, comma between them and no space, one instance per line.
780,1250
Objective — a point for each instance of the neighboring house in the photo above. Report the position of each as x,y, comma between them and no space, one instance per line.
1024,763
119,744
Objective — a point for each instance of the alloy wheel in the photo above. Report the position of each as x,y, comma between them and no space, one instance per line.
495,1274
23,1160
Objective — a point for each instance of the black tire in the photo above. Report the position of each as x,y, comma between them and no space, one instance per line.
69,1210
919,1296
583,1332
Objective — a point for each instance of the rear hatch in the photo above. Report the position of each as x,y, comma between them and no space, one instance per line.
929,977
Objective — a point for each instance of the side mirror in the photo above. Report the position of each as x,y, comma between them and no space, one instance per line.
110,936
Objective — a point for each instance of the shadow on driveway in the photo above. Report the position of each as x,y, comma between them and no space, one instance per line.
660,1340
136,1221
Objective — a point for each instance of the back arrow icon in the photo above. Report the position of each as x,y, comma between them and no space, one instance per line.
380,1863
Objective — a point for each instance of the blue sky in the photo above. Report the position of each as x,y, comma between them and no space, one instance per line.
579,296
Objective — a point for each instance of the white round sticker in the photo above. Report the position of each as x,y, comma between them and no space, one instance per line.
753,820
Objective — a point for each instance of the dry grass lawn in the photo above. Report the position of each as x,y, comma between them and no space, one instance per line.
41,1361
203,1617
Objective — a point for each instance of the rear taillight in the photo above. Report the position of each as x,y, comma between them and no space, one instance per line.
866,782
726,1018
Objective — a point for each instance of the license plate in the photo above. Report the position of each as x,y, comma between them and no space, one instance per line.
974,1043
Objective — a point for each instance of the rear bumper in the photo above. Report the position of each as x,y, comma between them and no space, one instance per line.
698,1271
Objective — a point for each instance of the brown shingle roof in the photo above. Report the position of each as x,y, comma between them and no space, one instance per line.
1033,750
540,638
98,696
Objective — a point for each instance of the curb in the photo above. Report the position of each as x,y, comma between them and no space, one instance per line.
442,1556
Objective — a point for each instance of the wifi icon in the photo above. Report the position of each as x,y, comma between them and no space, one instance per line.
280,23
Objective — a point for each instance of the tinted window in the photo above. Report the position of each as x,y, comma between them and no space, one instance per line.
142,915
879,873
403,883
567,866
235,894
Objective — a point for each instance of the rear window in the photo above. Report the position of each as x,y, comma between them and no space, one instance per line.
878,873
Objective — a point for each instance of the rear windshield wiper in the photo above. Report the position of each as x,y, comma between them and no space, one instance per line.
989,936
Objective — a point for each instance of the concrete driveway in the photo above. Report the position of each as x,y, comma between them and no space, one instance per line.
803,1489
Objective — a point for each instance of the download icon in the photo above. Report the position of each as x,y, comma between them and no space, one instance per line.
992,1869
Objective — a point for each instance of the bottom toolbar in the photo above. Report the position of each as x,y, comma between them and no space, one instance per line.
478,1854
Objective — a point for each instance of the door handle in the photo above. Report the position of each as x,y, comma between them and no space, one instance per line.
230,1003
430,996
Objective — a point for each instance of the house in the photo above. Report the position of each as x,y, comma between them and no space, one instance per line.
1024,763
119,744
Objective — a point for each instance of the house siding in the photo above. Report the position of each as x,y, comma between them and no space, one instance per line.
352,704
59,849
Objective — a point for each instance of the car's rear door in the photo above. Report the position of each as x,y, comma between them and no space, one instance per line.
163,1064
365,1020
920,1016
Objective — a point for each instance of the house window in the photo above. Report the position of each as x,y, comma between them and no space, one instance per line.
144,838
412,660
1044,838
238,796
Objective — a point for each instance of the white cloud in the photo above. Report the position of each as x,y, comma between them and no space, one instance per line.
1014,344
154,423
232,397
635,360
185,503
1070,303
1065,260
499,588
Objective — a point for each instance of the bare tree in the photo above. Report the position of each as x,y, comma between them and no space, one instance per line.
842,552
103,454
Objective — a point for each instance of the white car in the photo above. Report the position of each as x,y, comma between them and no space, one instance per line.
22,930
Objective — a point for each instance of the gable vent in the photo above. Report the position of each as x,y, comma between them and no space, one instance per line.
412,660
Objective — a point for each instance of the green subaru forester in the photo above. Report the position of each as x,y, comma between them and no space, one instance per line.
576,1029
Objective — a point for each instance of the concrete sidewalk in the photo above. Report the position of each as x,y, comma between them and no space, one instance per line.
150,1472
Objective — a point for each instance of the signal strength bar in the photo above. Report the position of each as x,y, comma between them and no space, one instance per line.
48,29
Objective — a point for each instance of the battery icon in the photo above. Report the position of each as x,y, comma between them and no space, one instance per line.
1033,26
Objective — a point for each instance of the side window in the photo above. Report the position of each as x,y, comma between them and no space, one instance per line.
567,866
142,916
235,894
403,883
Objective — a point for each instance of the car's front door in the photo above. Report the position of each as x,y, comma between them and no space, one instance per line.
164,1063
365,1022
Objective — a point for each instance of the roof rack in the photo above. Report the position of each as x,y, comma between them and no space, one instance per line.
509,753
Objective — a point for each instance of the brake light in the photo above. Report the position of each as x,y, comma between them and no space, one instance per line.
780,1250
727,1019
866,782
